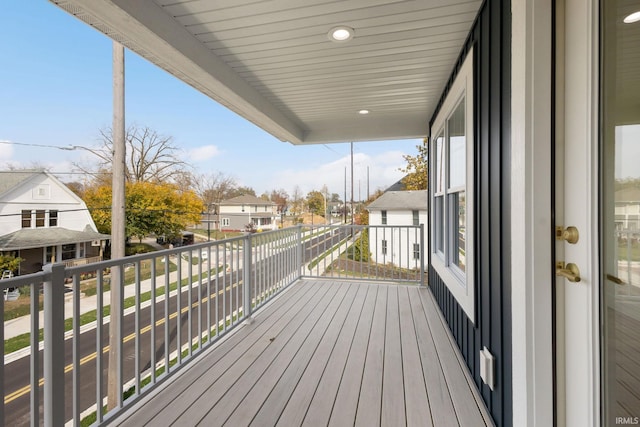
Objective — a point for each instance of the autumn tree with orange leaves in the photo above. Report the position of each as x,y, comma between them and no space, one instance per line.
151,208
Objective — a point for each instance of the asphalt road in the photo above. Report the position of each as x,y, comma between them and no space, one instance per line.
167,328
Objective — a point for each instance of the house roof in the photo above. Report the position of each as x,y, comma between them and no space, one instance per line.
401,200
27,238
273,62
247,199
11,179
630,194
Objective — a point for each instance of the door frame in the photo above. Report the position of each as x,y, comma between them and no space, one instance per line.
577,204
531,213
535,371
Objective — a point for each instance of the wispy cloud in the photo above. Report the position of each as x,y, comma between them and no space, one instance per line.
6,152
200,154
382,168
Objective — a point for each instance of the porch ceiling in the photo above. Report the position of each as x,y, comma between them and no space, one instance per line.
272,62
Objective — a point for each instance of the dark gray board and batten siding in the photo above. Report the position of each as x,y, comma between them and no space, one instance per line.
491,39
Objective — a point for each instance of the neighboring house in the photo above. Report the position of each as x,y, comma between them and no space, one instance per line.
398,246
628,209
236,213
43,221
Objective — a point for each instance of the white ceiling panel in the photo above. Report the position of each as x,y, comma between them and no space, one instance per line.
271,61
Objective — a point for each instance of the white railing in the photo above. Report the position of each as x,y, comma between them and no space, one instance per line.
175,303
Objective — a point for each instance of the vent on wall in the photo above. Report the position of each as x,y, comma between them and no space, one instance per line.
42,192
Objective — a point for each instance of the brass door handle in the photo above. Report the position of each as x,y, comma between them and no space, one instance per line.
569,271
569,234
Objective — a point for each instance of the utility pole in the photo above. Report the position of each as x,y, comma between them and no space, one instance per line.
344,210
351,207
114,376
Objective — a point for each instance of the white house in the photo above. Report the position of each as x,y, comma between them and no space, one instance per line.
43,221
236,213
393,245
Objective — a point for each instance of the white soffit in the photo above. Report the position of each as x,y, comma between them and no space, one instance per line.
272,62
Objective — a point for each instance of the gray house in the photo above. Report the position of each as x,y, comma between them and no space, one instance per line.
236,213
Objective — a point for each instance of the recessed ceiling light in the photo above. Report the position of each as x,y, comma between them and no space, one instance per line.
341,33
634,17
363,112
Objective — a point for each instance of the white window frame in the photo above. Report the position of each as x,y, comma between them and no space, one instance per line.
460,283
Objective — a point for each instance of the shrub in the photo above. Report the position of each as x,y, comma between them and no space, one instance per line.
359,251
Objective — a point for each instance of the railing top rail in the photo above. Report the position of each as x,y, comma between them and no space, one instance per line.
24,280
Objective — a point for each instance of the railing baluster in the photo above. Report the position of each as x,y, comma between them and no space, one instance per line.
152,321
76,348
167,317
224,288
54,345
35,357
247,271
99,342
179,308
422,252
190,304
137,356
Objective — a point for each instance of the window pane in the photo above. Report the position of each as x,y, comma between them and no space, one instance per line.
457,147
26,219
416,217
69,251
439,165
39,218
439,224
53,218
458,230
384,217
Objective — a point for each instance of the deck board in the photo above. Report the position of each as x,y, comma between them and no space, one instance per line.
324,353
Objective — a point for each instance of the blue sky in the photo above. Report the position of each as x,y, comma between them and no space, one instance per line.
56,85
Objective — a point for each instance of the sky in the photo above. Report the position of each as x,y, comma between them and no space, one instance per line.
56,90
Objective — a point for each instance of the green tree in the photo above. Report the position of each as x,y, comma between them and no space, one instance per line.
416,168
150,208
9,262
315,202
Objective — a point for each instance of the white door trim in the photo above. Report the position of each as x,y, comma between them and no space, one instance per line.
531,264
581,307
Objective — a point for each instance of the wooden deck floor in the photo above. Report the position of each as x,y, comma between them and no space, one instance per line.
325,353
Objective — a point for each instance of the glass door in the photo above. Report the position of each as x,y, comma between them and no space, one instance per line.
620,211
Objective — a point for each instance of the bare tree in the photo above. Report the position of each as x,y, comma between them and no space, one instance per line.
151,157
297,201
281,199
213,188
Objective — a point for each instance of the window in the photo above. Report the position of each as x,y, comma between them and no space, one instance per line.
53,218
50,255
225,222
384,217
416,251
26,218
452,160
416,217
40,218
384,247
68,251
